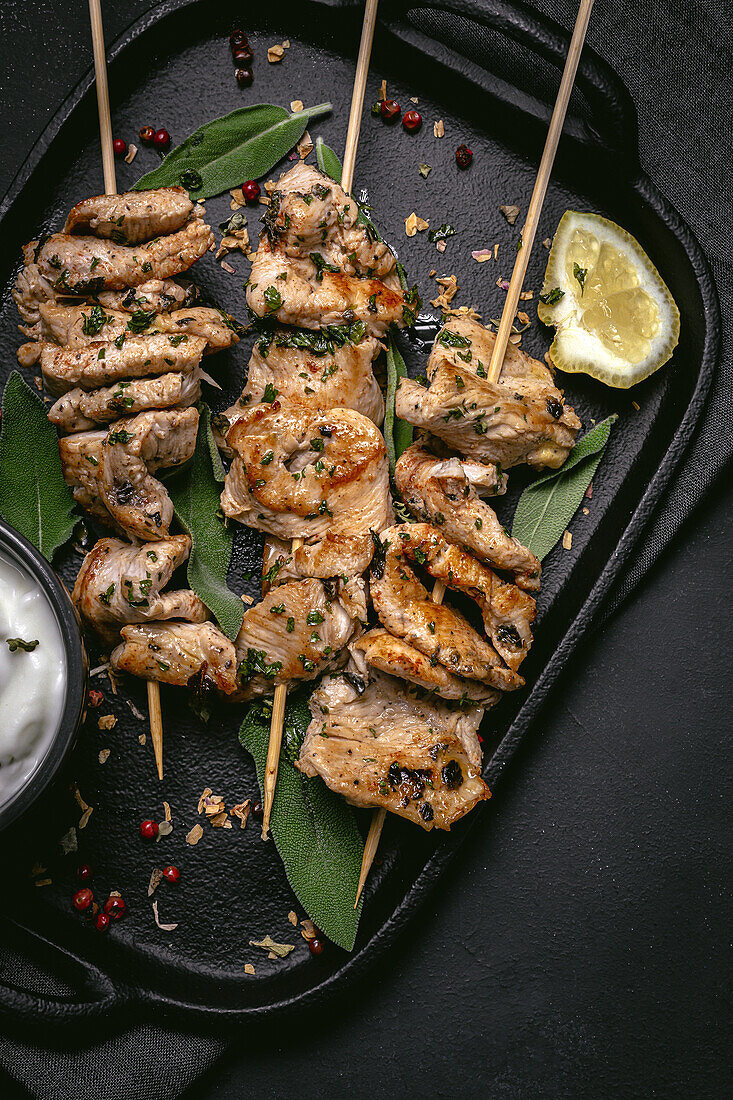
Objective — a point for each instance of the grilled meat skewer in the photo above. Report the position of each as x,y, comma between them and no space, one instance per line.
132,218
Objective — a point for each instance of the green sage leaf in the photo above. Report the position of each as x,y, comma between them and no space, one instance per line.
34,498
195,494
546,506
327,161
314,830
397,432
243,145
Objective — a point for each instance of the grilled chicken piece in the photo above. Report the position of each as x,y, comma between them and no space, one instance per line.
381,650
437,630
299,474
297,292
87,368
135,448
311,213
110,472
72,326
193,655
87,265
338,377
507,611
443,492
133,217
520,418
119,584
335,555
295,633
388,747
79,410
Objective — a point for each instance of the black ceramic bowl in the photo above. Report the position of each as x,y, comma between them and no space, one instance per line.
28,558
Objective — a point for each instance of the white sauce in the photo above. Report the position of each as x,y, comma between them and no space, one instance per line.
32,685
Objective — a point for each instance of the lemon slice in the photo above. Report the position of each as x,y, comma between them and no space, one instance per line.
613,315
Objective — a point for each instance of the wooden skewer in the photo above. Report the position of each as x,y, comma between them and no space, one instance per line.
511,303
347,177
110,188
540,188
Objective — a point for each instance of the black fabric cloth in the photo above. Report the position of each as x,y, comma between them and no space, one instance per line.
675,58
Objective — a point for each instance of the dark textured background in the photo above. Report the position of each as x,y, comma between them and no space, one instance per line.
579,944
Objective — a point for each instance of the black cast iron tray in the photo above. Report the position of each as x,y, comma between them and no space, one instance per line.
490,71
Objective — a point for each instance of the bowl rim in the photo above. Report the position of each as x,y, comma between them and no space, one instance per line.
17,546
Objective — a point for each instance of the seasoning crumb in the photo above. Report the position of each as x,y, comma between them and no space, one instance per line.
131,153
305,146
586,511
156,877
135,710
143,738
107,721
237,197
164,927
449,283
165,828
308,929
241,810
275,53
589,492
104,755
274,950
69,841
414,224
567,540
547,243
245,598
511,213
637,407
432,273
85,817
286,44
424,170
481,255
522,317
382,91
248,968
441,246
228,268
43,882
293,918
413,99
296,105
195,834
526,296
439,128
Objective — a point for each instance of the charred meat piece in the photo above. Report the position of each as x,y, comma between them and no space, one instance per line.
111,472
520,418
101,364
381,650
309,294
74,326
324,379
154,296
195,655
295,633
299,474
133,217
437,630
311,213
79,410
443,492
507,611
388,747
87,265
119,584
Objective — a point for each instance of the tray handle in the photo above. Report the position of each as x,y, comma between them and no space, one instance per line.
609,121
45,963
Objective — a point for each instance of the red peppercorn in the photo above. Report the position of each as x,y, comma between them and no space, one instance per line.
390,110
115,907
149,829
258,811
146,135
101,922
95,698
171,874
161,139
242,56
251,190
82,899
84,872
412,121
464,156
316,946
244,77
237,39
119,147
